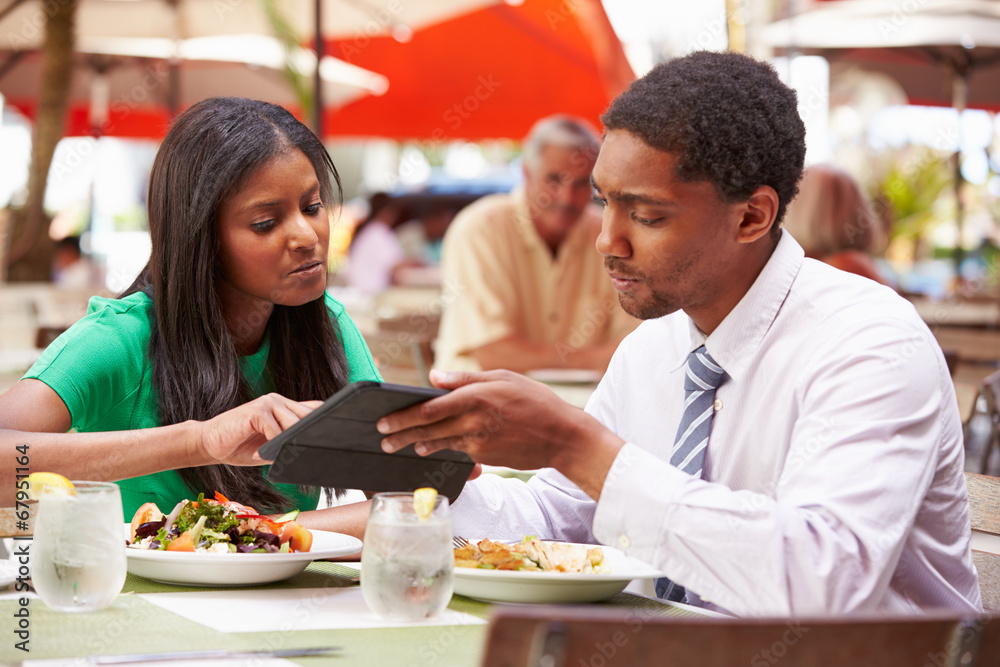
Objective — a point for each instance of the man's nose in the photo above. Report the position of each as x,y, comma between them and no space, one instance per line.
612,242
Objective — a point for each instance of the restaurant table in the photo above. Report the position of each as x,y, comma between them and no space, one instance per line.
134,624
958,312
971,345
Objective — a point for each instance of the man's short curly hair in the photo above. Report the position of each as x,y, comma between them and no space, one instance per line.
727,118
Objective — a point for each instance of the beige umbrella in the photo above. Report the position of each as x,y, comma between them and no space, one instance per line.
21,21
940,51
133,74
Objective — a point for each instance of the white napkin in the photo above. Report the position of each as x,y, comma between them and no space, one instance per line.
284,609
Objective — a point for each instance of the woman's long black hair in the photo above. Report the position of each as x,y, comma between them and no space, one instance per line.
209,152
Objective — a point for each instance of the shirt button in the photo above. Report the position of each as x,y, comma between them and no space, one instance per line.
718,404
624,542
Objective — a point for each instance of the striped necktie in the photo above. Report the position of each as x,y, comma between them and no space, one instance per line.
702,379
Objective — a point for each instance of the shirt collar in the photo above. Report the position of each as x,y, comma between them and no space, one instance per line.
734,343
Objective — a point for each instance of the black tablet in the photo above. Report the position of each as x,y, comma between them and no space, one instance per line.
337,445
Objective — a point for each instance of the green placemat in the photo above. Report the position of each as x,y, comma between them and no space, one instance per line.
133,625
129,625
319,574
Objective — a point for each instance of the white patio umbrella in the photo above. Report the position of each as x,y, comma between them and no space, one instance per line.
940,51
134,73
922,44
22,21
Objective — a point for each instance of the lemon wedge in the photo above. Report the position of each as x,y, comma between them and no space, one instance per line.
39,481
423,502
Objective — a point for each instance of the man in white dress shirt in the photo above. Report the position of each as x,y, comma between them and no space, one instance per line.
833,477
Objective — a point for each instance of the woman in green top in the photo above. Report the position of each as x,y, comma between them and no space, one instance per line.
225,339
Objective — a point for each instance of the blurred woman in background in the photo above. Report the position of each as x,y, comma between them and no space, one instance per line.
834,222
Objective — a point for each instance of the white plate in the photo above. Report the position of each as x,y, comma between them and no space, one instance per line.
565,375
203,569
553,587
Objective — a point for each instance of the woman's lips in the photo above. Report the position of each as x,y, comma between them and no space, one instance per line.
309,269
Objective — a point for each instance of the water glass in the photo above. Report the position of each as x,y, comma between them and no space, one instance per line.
78,552
408,562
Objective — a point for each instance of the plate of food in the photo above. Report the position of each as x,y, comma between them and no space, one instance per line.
565,375
218,542
544,572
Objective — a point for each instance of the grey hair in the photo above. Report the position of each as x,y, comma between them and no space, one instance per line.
559,130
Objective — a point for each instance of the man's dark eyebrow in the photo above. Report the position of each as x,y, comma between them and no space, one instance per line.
633,198
630,197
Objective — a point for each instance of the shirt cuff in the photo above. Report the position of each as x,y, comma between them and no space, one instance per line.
636,502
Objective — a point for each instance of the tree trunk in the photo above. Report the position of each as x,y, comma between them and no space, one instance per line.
31,250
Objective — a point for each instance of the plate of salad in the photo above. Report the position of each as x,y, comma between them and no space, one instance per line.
219,542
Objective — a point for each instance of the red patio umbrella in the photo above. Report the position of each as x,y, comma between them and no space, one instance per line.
488,74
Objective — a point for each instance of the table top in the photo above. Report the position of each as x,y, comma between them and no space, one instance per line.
958,312
971,345
134,624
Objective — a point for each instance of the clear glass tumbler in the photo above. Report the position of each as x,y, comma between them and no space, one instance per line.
78,552
407,563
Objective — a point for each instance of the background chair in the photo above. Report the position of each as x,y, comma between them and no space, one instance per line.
984,503
403,347
987,403
576,636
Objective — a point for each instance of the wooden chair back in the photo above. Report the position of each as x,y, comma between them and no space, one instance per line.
984,505
44,335
589,636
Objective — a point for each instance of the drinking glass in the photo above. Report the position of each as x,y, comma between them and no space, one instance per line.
407,563
78,551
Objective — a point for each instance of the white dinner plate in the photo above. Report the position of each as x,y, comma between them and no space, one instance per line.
553,587
565,375
209,569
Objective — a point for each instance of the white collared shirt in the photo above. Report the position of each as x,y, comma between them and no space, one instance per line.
833,480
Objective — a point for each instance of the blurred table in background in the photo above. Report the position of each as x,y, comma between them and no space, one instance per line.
400,325
31,315
976,313
971,344
968,331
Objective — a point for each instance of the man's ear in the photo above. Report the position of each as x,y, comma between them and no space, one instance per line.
759,212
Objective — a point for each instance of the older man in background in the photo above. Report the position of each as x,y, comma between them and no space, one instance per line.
527,287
